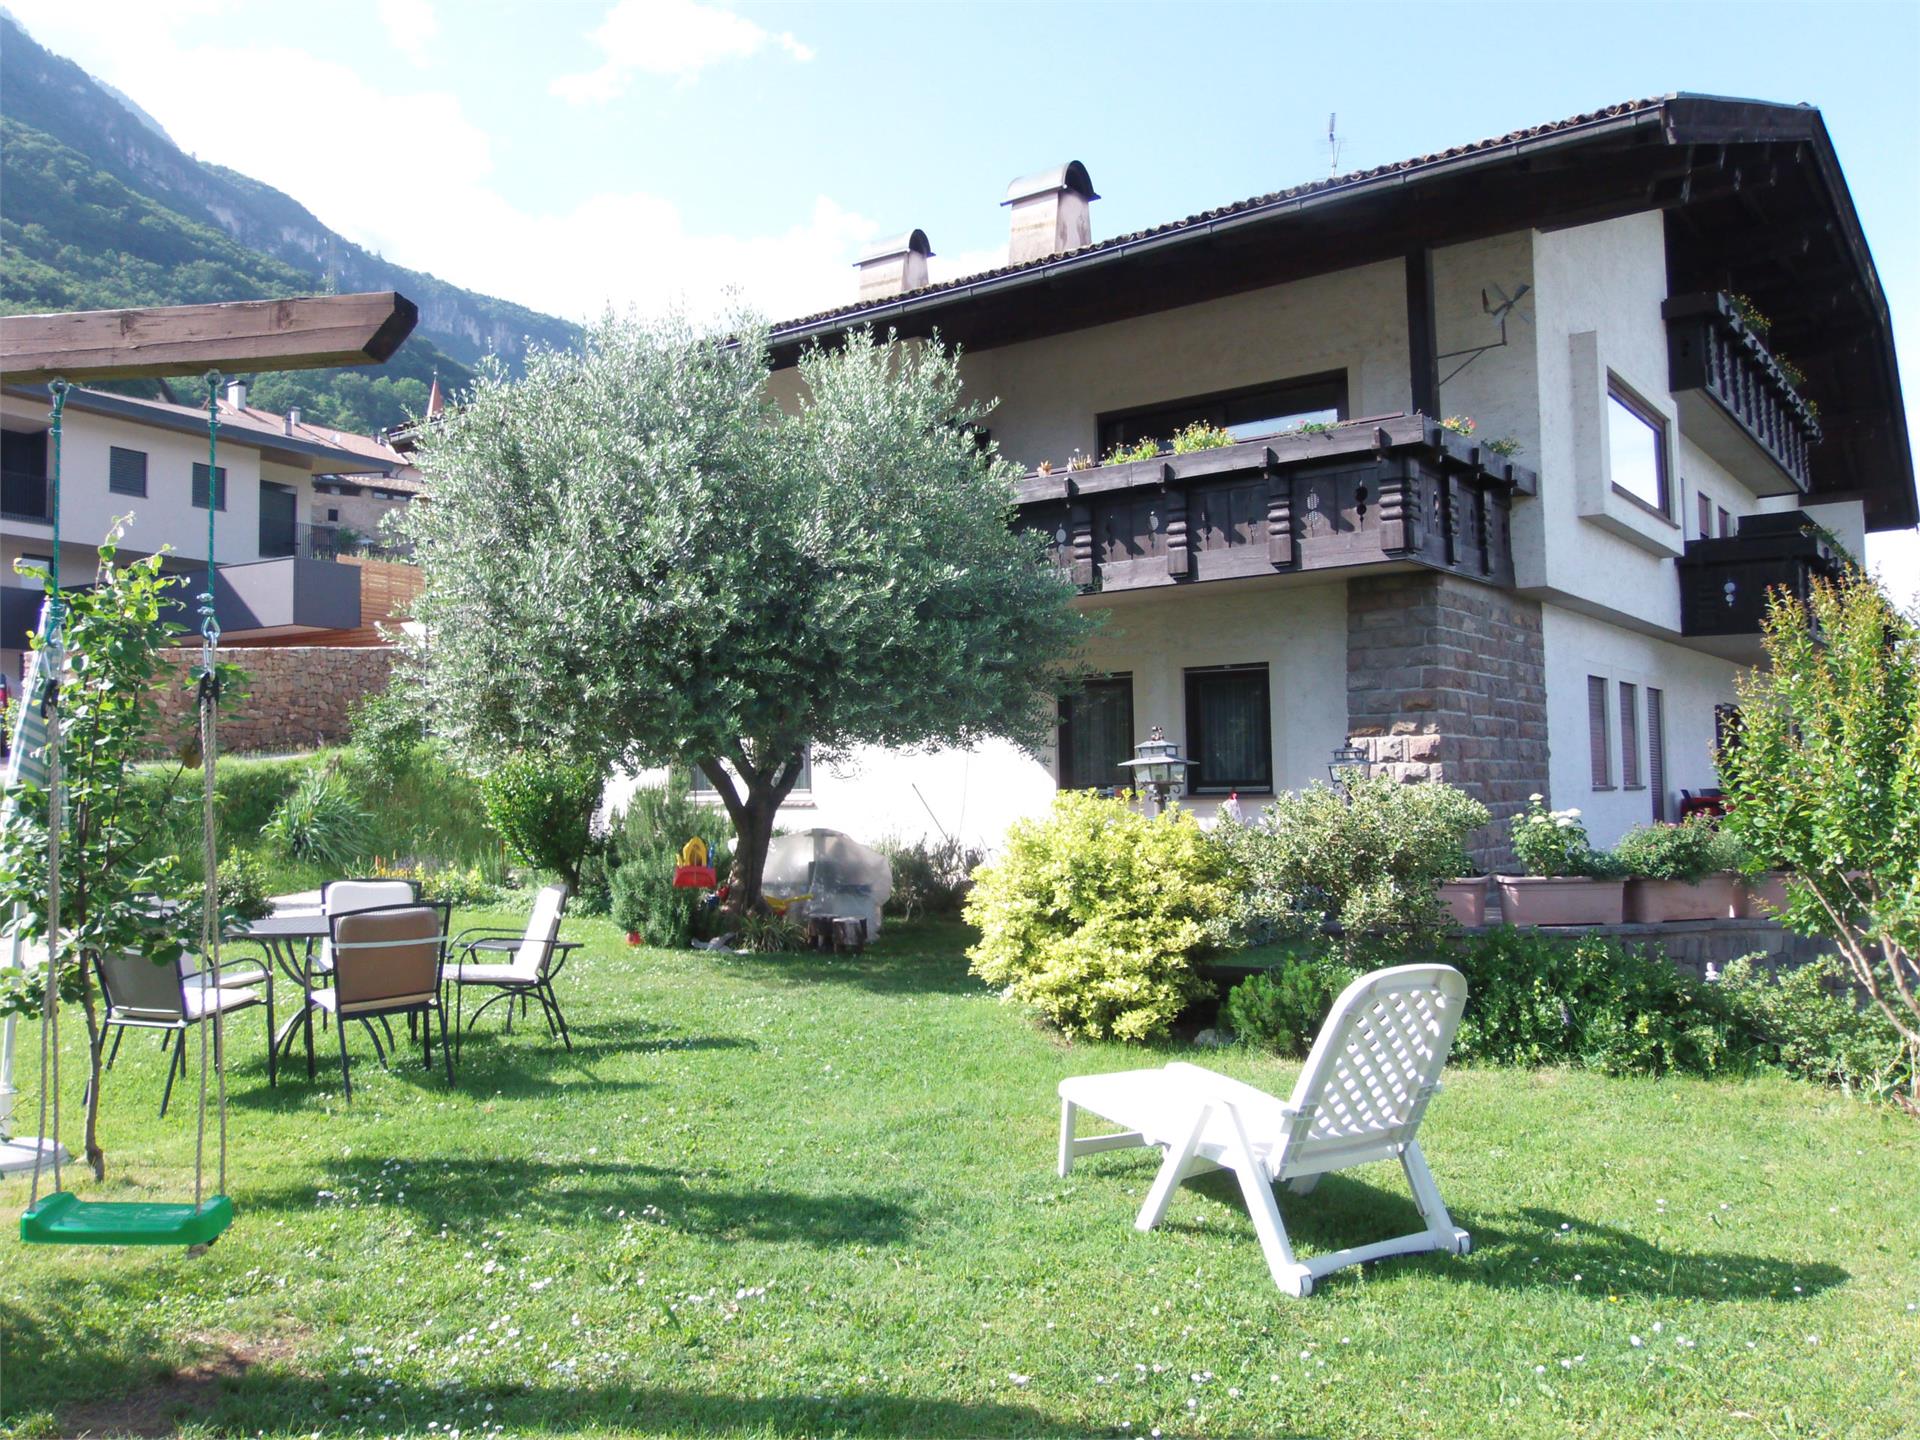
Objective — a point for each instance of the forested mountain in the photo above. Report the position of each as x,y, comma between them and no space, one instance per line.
99,209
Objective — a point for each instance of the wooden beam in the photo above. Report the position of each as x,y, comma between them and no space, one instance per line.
1423,364
306,333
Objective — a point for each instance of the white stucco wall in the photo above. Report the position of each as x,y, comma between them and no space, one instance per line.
1578,646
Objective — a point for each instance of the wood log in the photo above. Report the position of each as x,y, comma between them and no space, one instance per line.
307,333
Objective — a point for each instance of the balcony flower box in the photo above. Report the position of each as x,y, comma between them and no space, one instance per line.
1761,897
1659,902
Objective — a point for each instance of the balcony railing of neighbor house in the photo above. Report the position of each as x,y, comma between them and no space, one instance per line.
1392,490
325,542
24,496
1725,583
1734,398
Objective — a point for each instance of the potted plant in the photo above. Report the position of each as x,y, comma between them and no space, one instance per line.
1762,896
1466,896
1678,872
1568,882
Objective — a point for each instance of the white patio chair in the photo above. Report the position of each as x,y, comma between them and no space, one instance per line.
1372,1070
538,953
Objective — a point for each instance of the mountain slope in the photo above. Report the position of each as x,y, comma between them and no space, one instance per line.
99,208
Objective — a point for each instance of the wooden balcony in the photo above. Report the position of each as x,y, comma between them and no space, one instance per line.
1734,400
1725,583
1398,490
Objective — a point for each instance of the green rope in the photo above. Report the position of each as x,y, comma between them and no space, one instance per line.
209,624
59,390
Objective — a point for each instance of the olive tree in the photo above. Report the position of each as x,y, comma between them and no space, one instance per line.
633,555
1822,772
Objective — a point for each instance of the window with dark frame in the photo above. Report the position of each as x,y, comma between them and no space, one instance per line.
126,471
1706,515
1229,730
1096,734
201,487
1257,410
1726,523
1657,751
1629,736
1599,743
1637,449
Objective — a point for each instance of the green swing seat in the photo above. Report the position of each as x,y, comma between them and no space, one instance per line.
65,1219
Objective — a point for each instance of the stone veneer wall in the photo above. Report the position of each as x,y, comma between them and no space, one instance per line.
298,697
1446,680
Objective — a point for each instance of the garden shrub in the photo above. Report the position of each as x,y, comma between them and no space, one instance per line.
1372,865
929,877
248,791
1806,1021
644,848
386,731
1542,1000
1092,914
242,888
456,886
768,934
1282,1009
542,805
1554,843
320,821
1690,851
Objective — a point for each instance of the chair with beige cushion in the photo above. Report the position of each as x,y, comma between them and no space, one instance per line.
388,962
172,999
537,955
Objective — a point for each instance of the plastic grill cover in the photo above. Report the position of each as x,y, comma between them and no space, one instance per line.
837,875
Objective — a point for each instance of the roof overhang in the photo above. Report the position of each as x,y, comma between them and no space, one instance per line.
1754,195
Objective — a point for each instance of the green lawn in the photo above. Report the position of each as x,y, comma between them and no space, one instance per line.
781,1196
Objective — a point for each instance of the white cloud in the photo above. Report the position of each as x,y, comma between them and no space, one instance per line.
412,27
676,39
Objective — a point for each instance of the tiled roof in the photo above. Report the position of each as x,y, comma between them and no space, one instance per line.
1256,202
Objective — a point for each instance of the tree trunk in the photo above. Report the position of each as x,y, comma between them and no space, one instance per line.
753,835
96,1157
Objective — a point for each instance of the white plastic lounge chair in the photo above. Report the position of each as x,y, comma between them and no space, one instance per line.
1373,1068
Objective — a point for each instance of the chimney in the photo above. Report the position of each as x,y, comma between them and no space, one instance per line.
293,419
894,266
237,394
1050,214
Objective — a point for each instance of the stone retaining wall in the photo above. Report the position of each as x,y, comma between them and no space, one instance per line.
1446,680
1693,945
298,697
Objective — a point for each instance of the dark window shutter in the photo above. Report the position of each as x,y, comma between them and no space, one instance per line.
1629,735
201,487
1597,745
1706,516
126,471
1657,751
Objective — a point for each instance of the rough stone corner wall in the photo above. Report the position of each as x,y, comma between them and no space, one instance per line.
1446,680
298,697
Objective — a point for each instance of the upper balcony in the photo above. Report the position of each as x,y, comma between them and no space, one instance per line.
1397,490
1725,583
1735,401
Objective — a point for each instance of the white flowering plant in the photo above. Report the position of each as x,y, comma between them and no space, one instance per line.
1554,843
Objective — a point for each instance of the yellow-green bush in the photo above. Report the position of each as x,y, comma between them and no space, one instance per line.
1092,916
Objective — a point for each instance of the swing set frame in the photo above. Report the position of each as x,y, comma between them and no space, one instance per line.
304,333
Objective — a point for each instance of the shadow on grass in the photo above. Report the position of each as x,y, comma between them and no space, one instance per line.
1526,1249
462,1194
120,1387
926,957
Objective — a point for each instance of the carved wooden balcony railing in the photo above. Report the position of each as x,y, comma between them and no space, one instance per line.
1397,490
1725,583
1734,399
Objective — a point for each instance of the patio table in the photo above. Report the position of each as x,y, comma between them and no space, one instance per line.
288,938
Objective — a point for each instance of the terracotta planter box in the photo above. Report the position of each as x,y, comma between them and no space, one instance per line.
1466,900
1655,902
1561,900
1762,897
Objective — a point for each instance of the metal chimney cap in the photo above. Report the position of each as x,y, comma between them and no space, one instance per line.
911,242
1070,176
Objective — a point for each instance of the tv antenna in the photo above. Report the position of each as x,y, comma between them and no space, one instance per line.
1334,145
1498,312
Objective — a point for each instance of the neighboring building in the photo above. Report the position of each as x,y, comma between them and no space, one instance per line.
1569,620
298,512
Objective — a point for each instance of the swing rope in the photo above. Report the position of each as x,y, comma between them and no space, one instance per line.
55,661
208,981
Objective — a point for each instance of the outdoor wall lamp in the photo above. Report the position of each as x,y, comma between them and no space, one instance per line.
1158,768
1349,765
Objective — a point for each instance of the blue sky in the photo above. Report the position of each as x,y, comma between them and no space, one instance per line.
574,153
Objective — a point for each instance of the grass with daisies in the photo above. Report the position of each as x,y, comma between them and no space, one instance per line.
795,1196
